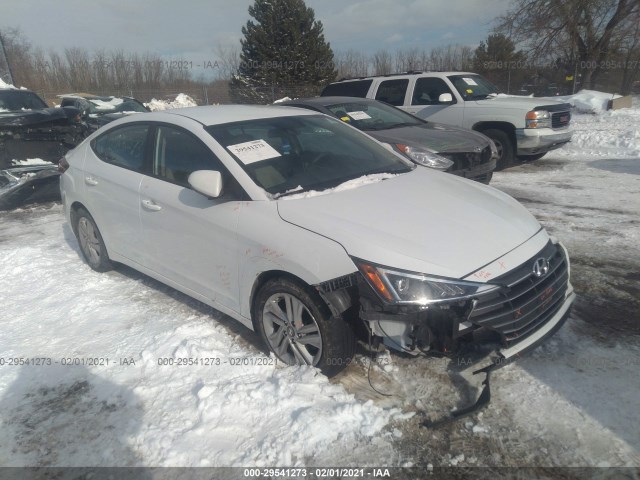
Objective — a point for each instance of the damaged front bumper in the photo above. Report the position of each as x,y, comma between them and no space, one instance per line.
20,186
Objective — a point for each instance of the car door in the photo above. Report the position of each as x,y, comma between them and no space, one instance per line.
111,181
189,239
425,102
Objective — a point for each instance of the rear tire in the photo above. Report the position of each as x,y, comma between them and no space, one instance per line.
504,145
297,326
90,241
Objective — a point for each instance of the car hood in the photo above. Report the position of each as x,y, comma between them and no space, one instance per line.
517,101
440,138
423,221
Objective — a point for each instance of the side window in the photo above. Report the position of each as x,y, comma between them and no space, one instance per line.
123,147
392,91
177,154
427,91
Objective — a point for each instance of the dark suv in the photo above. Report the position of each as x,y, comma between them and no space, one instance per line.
29,128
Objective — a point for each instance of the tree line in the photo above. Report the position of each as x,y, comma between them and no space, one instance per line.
534,44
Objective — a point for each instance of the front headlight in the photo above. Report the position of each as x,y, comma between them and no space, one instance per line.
408,288
425,157
538,119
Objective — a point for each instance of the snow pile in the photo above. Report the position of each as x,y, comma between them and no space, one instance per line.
588,101
29,162
283,99
4,85
182,100
613,133
182,387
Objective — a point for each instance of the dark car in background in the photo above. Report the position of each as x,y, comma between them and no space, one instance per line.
98,110
29,128
455,150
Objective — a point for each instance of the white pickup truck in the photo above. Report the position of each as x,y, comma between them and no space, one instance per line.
522,127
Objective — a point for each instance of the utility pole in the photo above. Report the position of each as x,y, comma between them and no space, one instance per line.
6,59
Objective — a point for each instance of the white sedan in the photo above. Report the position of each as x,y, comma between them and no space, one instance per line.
309,231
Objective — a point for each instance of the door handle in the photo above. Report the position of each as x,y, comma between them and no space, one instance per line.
90,181
151,205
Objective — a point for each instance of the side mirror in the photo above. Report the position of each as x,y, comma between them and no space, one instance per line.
445,98
206,182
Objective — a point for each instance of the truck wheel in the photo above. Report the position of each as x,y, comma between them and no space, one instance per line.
504,145
297,326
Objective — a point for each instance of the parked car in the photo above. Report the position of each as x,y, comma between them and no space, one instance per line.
304,228
31,129
522,127
455,150
97,110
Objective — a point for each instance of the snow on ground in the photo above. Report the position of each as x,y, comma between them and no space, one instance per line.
249,413
573,402
182,100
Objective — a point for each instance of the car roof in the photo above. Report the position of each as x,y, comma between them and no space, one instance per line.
405,74
91,96
325,101
217,114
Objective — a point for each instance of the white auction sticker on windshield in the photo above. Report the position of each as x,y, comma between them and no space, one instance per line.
253,151
469,81
359,115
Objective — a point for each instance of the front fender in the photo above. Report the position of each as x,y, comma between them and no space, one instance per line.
283,247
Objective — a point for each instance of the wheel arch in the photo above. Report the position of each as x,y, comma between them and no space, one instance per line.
73,211
506,127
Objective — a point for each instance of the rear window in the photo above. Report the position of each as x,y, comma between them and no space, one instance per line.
357,88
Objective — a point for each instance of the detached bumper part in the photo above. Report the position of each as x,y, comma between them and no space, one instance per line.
505,357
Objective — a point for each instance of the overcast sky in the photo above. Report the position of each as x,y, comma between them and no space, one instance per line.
193,29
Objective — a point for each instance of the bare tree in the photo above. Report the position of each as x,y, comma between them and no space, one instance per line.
590,27
382,62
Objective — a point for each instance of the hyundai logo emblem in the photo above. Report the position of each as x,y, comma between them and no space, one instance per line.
540,267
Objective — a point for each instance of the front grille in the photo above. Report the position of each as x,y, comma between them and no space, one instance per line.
560,119
526,302
466,160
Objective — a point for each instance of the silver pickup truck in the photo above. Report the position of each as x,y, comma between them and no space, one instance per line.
522,127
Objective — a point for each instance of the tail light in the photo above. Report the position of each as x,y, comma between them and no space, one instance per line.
63,165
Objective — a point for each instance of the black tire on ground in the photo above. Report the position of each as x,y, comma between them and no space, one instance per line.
297,326
487,178
92,246
504,144
531,158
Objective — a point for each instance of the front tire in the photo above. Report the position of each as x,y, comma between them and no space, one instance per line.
504,145
92,246
297,327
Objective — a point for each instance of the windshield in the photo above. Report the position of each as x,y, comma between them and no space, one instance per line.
13,100
473,87
377,116
114,105
294,154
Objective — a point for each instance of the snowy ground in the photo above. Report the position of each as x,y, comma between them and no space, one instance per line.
573,402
